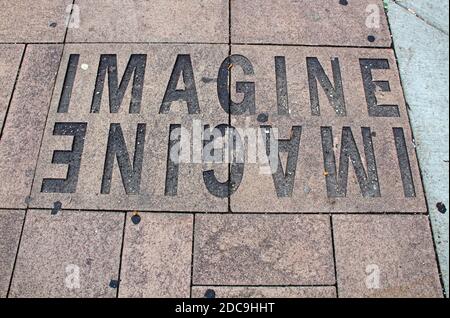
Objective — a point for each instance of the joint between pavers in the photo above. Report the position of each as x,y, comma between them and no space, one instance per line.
333,246
121,254
192,256
206,43
17,253
227,213
313,45
69,19
13,90
384,213
45,125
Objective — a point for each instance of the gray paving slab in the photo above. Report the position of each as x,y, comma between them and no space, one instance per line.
37,21
422,52
10,230
157,256
23,129
68,254
263,250
303,22
198,21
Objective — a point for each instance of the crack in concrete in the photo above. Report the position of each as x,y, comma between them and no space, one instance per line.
412,12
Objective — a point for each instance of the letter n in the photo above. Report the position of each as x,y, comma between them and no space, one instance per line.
335,94
131,173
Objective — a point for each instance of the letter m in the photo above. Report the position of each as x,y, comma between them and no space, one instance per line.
108,64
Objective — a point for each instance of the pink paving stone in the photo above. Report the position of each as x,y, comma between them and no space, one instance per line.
304,22
263,250
157,256
69,254
204,21
385,256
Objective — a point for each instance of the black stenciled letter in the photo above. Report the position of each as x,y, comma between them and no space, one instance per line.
66,94
282,88
284,182
404,163
173,158
246,88
370,88
227,188
337,180
183,66
72,158
131,174
108,62
334,93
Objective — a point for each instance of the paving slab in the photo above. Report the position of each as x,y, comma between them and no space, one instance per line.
303,22
68,254
385,256
38,21
343,111
198,21
131,125
262,250
157,256
10,229
10,57
263,292
423,49
22,131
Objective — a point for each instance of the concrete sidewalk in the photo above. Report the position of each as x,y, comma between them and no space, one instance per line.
218,148
420,32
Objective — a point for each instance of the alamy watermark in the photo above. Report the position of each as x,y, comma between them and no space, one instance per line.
373,276
374,16
72,279
225,144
